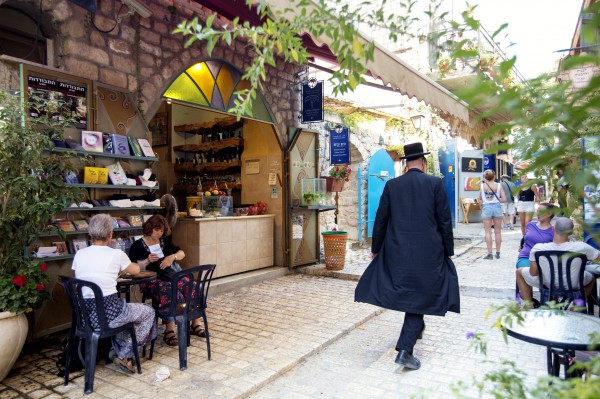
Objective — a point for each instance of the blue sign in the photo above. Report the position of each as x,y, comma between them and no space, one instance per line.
489,162
340,148
312,102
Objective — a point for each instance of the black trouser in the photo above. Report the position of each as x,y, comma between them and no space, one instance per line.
413,324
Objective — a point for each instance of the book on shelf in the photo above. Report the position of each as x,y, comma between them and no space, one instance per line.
81,224
135,220
116,174
107,143
145,218
122,222
90,175
70,178
43,252
135,146
92,141
146,148
79,244
64,225
120,144
61,247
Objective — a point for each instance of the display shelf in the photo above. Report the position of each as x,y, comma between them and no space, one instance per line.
55,258
111,208
104,155
55,233
114,186
229,123
211,145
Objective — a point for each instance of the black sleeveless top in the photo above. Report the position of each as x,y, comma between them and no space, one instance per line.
526,195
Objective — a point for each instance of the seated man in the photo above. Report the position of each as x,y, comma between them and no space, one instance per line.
527,277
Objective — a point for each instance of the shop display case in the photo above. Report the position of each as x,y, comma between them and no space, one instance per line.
217,205
313,191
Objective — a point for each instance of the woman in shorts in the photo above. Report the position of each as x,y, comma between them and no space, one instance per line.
492,195
526,205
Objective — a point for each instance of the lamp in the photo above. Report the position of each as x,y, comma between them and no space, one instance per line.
381,140
417,121
339,128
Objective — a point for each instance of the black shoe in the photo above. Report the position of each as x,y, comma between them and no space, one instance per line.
421,333
407,360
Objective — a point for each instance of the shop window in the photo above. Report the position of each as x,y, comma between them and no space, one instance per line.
213,84
21,36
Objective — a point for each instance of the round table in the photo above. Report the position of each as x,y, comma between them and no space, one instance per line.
564,331
124,284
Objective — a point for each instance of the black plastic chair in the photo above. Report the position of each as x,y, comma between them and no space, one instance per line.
560,264
182,313
81,328
562,289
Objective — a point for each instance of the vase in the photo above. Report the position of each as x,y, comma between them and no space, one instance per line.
13,333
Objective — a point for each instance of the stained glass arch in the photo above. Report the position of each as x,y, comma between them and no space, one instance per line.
213,84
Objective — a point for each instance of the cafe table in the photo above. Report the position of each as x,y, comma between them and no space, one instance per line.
126,281
559,331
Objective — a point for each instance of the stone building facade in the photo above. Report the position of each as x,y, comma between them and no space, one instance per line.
141,55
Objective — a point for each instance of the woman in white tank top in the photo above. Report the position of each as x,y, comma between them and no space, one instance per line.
491,194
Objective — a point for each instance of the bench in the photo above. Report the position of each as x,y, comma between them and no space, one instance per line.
467,205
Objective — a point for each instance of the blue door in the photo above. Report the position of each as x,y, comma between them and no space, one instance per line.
381,169
447,157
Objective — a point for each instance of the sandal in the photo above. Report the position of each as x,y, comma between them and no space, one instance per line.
125,365
198,331
170,338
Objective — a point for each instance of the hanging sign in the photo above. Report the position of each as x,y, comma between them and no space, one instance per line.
312,101
339,145
489,162
471,164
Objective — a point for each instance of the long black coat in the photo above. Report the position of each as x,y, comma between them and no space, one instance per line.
413,240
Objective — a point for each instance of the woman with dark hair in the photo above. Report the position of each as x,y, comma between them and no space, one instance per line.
527,199
536,233
101,265
156,252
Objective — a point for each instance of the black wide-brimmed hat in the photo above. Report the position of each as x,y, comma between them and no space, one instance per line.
413,151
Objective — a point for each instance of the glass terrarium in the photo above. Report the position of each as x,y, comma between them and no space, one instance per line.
313,191
217,205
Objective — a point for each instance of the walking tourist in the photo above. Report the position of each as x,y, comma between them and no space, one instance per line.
508,207
411,270
101,264
528,277
528,195
492,196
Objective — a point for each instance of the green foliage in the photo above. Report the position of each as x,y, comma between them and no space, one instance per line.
31,193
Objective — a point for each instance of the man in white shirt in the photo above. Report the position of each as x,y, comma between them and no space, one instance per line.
527,277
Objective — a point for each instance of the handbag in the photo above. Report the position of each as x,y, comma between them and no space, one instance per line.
168,273
495,195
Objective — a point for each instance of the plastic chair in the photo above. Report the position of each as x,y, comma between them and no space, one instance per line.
182,313
82,328
560,263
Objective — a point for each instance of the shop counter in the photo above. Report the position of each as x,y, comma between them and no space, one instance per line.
235,244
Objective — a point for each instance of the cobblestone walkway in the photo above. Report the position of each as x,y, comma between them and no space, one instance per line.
302,336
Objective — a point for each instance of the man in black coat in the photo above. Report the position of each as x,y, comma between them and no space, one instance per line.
411,270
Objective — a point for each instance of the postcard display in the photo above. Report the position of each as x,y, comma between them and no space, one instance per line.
119,180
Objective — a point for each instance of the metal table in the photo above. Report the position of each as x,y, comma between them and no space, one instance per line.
563,332
124,284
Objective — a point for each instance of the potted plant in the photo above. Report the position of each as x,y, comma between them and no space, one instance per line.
32,191
443,65
337,177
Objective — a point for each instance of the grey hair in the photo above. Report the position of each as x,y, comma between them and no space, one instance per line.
101,226
563,226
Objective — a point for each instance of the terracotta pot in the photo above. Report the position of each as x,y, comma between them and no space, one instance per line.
394,155
13,333
333,185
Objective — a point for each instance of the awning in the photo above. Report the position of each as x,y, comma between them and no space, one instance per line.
386,66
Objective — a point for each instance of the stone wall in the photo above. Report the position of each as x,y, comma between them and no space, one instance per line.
143,57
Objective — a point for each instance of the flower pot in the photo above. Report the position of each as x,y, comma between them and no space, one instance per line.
13,332
394,155
334,185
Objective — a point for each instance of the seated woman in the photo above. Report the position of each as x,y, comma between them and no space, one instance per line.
101,264
157,234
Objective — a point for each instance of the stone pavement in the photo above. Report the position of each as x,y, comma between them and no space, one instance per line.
302,336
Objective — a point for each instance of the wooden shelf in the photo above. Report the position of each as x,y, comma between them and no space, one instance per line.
211,145
114,186
207,166
104,155
55,233
110,208
55,258
229,122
